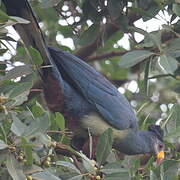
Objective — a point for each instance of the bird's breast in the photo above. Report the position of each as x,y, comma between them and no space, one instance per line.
97,125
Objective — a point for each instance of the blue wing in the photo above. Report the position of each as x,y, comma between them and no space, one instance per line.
96,89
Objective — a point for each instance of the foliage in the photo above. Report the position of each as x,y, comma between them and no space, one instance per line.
31,136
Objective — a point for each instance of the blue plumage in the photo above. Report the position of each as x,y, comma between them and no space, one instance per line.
95,89
89,100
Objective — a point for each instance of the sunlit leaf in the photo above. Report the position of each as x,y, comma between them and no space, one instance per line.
37,110
3,17
3,145
60,120
36,56
19,20
168,63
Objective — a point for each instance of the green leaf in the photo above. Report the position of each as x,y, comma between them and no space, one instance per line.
174,134
39,125
171,168
20,89
168,63
59,119
17,127
3,17
68,165
88,165
14,169
174,45
66,31
37,110
152,175
28,151
132,58
45,175
36,56
3,145
156,39
19,20
89,35
104,146
19,99
176,9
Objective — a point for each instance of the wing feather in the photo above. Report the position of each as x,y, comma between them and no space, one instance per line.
96,89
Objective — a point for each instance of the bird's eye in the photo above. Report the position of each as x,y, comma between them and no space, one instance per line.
160,146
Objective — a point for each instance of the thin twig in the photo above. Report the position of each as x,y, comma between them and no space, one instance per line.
160,76
106,55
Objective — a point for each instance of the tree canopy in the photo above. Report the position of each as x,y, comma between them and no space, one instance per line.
134,43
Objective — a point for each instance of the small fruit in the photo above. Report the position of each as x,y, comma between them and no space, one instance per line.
178,77
46,163
12,148
29,178
93,162
24,161
3,99
98,177
49,137
48,158
53,144
20,158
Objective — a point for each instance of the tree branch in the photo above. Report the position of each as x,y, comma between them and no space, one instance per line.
105,55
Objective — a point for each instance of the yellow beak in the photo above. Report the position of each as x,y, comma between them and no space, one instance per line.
160,157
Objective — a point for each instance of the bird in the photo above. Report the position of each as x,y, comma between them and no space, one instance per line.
88,101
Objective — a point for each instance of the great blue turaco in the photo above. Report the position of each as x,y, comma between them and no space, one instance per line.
86,98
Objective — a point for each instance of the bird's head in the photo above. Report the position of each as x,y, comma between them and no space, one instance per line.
158,145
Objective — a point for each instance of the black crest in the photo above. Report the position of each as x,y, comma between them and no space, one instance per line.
157,130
